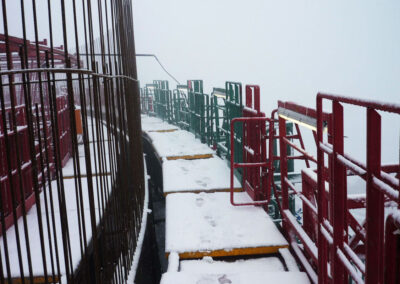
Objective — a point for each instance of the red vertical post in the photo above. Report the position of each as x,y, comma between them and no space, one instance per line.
375,209
392,268
283,164
322,210
338,195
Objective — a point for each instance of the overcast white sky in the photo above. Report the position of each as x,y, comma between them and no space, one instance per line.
291,48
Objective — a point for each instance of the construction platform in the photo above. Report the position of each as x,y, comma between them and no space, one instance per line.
207,239
174,144
198,175
277,268
211,226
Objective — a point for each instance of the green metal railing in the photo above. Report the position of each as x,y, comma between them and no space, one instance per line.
147,97
199,111
162,100
180,107
209,117
218,119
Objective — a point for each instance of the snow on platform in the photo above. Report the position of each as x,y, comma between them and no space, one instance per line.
154,124
209,175
208,265
179,144
98,179
206,224
256,270
68,170
33,230
235,278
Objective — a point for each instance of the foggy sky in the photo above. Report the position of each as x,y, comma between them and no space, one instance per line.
292,49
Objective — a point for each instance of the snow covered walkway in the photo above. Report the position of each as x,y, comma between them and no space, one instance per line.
201,223
206,224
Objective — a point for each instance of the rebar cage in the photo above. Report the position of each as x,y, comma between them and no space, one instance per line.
71,162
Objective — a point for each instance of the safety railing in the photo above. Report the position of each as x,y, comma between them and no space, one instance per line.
21,173
162,100
336,251
198,106
147,99
336,241
256,164
218,118
180,107
301,234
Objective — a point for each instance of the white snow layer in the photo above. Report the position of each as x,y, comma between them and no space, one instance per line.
71,210
178,143
208,221
235,278
143,226
197,175
33,230
291,263
210,266
150,123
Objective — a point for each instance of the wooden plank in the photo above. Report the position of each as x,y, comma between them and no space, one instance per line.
36,280
232,252
163,130
190,157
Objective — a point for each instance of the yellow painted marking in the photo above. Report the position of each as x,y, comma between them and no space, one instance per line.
163,130
238,189
36,280
85,176
233,252
190,157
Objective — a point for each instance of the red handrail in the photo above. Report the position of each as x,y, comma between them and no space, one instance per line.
379,186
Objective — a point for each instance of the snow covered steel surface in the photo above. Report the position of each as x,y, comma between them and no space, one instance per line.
150,123
197,175
33,230
207,221
178,143
72,211
235,278
210,266
68,170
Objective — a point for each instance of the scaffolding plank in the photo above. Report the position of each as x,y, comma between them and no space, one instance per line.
206,224
237,278
199,175
155,124
179,144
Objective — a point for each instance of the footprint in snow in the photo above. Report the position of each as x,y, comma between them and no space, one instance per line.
204,240
199,201
210,221
199,182
206,280
224,280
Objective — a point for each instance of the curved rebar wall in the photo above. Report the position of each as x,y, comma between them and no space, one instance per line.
79,100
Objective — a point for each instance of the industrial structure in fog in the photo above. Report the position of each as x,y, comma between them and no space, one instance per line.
105,180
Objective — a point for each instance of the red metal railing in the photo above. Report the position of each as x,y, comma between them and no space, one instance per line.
330,236
257,167
22,174
334,249
307,252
